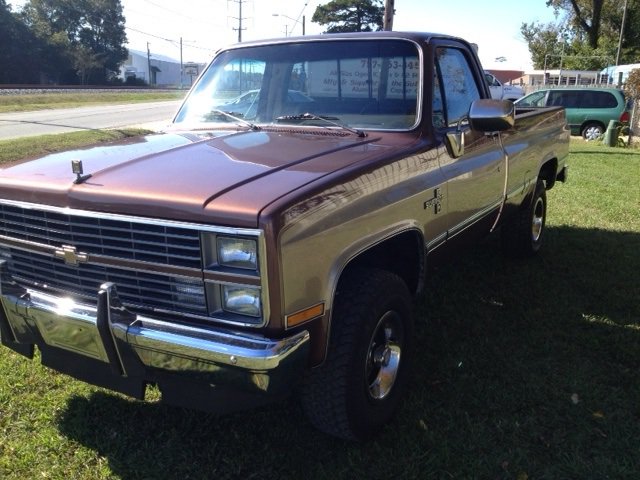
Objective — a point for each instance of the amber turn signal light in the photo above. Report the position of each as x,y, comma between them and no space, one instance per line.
304,315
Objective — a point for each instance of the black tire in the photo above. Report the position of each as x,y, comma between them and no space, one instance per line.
592,131
361,383
523,234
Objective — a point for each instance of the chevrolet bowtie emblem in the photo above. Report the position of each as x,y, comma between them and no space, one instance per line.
70,255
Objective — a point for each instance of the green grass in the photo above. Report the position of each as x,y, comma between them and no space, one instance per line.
525,370
20,148
27,102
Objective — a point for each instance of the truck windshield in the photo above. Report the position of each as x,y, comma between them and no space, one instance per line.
365,84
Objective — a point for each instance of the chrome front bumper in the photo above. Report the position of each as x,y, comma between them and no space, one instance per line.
146,348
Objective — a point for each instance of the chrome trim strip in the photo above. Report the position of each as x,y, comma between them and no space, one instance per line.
475,218
104,261
517,191
142,266
436,242
131,218
211,276
28,245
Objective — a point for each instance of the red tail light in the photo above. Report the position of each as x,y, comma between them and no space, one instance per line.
624,118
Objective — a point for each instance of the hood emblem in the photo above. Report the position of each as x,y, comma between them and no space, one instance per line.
76,167
70,255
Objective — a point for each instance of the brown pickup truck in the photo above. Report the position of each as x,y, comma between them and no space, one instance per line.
272,239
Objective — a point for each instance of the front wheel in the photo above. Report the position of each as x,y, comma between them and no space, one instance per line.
359,387
522,235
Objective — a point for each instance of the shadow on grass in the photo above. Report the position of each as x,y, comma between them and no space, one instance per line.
522,367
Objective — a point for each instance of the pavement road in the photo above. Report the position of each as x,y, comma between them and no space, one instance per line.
152,115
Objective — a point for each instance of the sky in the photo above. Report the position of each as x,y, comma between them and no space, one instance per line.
206,25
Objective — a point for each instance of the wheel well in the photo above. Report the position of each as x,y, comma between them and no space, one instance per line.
402,254
548,173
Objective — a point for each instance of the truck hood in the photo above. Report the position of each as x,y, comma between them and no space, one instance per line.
224,179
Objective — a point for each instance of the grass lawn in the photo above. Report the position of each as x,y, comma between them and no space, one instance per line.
525,370
28,102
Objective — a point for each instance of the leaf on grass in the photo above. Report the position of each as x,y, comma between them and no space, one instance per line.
522,476
598,414
423,425
575,399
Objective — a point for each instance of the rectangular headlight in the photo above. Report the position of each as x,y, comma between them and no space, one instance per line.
241,300
237,252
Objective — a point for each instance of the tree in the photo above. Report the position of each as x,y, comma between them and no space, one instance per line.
84,62
546,43
84,38
586,16
632,85
350,15
589,32
19,59
632,90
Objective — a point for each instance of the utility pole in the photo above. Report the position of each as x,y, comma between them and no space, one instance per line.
148,64
389,11
624,18
181,65
239,18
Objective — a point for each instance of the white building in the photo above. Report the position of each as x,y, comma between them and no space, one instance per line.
562,77
619,73
159,70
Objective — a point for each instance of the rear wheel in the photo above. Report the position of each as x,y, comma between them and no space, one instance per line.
592,131
522,235
359,387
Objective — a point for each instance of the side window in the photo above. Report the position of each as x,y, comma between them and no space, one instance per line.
557,99
491,80
535,99
455,87
599,100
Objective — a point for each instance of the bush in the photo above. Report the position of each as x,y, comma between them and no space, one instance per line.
632,85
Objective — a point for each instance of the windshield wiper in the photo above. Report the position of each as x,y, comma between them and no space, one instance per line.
247,123
329,120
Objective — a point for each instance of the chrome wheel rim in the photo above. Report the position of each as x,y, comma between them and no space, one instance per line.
537,221
383,355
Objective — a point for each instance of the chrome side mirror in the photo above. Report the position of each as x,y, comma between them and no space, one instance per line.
491,115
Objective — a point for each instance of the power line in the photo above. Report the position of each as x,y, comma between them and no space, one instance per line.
172,41
176,12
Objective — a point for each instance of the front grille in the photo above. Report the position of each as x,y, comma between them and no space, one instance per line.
137,290
113,237
168,245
